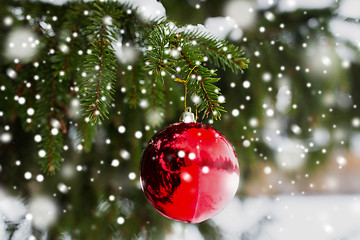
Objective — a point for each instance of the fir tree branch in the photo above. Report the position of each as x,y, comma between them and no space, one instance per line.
88,131
63,66
163,51
221,52
153,92
211,105
132,76
52,105
225,58
164,43
98,86
100,72
157,99
52,139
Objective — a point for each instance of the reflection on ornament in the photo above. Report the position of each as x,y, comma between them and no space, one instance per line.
189,172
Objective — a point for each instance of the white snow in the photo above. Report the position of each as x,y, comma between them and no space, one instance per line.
182,232
283,99
12,208
67,171
349,8
147,9
8,21
265,4
5,137
222,27
289,154
22,44
121,129
12,211
23,231
11,73
115,163
125,154
321,136
198,27
120,220
62,188
66,236
355,143
346,30
3,233
292,5
243,12
295,218
153,116
55,2
44,211
239,216
126,54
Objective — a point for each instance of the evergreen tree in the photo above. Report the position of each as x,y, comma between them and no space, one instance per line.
102,76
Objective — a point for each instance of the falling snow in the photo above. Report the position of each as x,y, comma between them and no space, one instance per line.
282,131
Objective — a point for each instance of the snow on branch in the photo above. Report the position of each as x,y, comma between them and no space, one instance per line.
173,50
100,51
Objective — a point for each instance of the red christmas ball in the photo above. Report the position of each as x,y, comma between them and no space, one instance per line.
189,172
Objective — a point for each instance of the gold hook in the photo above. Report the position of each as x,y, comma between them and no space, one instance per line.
185,83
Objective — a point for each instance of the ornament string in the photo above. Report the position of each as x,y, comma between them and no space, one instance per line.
185,84
195,107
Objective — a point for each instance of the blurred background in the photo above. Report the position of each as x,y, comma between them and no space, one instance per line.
293,118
